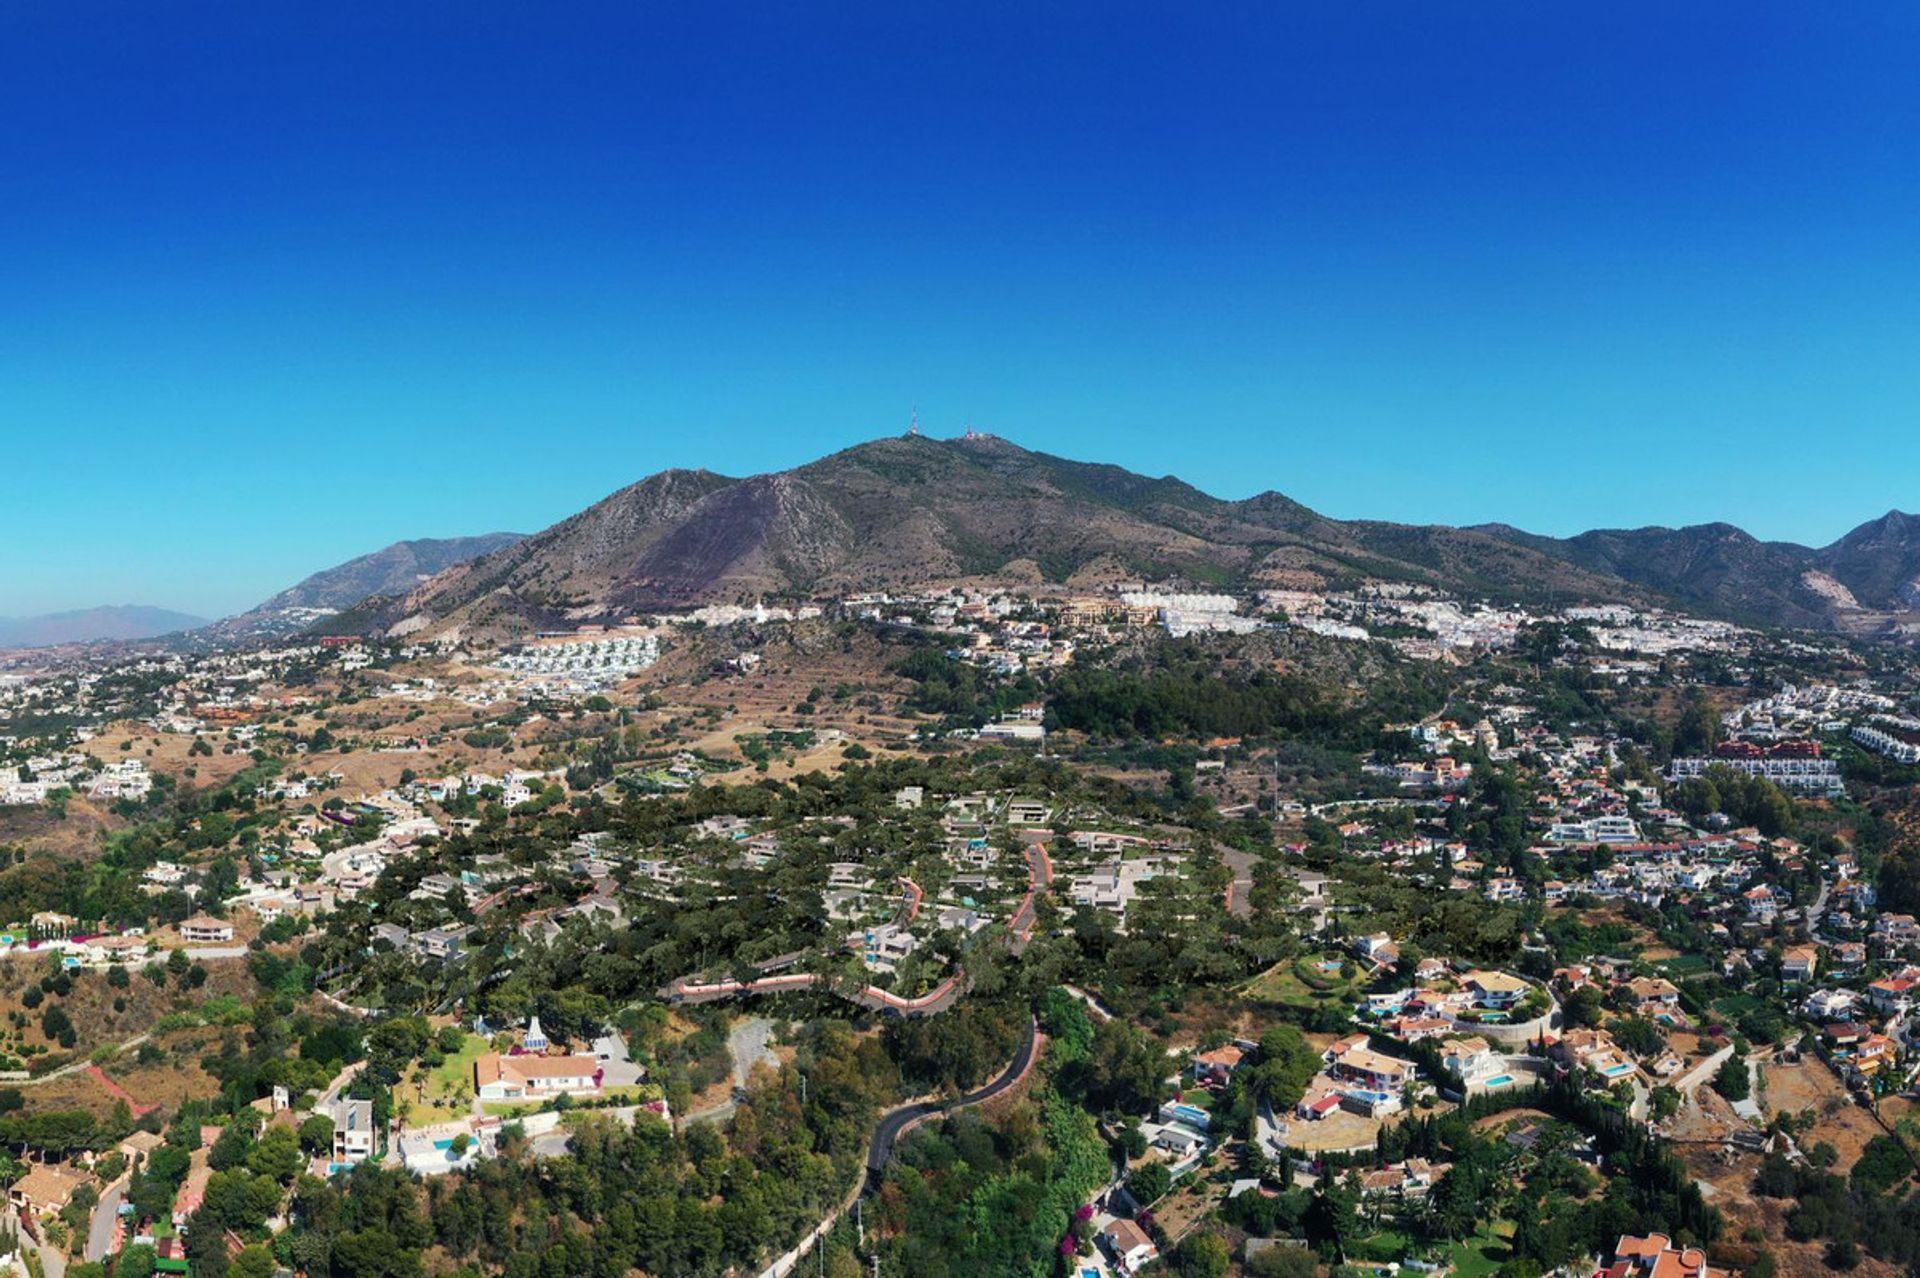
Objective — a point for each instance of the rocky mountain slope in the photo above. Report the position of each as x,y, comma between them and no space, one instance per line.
898,513
392,571
908,512
1866,580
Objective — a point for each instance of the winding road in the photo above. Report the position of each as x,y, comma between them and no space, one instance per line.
897,1122
893,1125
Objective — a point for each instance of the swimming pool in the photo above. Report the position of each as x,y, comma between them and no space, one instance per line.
1500,1080
1615,1071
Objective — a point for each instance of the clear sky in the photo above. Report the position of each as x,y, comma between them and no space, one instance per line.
280,284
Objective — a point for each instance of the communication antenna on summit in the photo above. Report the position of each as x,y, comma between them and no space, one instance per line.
913,427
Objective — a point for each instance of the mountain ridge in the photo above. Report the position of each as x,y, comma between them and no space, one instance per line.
903,512
390,571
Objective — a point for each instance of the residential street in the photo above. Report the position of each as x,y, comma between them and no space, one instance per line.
105,1217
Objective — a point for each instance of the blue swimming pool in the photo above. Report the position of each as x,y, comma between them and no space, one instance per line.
1500,1080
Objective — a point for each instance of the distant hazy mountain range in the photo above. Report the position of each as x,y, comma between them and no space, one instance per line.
905,512
393,571
121,621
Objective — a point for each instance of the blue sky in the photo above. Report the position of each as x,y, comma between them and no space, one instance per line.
283,283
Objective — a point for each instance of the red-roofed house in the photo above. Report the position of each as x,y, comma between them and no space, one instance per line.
1217,1066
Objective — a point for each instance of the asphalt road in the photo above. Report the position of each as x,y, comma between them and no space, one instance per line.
100,1236
896,1122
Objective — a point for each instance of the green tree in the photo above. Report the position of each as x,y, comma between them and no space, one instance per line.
1202,1255
1149,1183
1732,1080
135,1261
276,1155
1282,1262
316,1134
253,1261
1698,730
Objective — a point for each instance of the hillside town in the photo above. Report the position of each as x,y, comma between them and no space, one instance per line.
1516,930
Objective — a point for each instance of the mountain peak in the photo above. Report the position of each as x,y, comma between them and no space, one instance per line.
912,511
907,511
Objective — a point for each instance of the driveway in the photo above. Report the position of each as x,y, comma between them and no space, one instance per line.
615,1061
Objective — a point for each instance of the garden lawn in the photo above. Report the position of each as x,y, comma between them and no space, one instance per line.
447,1092
1482,1254
1282,984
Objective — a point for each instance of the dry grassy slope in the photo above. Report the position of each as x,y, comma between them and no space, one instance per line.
77,836
90,1005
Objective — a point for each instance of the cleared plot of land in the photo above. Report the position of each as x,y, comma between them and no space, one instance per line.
1791,1089
1338,1130
173,1078
1729,1188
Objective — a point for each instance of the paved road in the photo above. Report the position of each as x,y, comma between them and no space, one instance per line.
1240,891
1690,1082
1039,878
896,1122
1818,909
715,1114
105,1217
